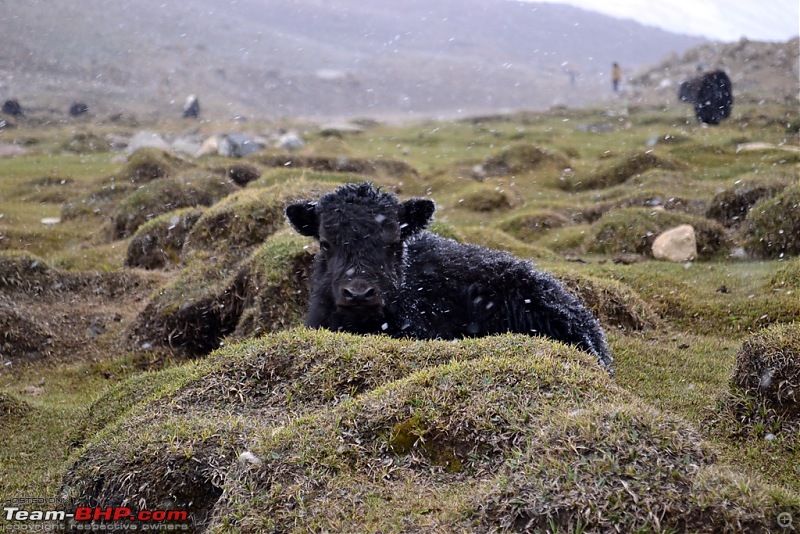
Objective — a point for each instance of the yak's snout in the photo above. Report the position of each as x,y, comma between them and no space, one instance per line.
359,292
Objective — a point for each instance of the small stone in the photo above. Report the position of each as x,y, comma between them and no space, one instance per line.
677,244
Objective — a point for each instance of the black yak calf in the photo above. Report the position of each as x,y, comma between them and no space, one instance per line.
379,271
711,94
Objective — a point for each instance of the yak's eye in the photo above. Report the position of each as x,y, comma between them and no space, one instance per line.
324,245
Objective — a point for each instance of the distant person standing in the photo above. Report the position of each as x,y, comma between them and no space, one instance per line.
616,76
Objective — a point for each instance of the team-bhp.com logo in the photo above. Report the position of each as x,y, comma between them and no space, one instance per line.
118,518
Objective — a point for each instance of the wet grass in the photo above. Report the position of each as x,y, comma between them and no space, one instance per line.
341,405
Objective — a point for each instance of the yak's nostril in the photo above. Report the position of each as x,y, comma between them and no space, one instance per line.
358,292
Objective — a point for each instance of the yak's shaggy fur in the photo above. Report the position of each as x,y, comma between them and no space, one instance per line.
711,94
379,271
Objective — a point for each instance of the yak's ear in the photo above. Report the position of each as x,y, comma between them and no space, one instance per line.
303,217
415,215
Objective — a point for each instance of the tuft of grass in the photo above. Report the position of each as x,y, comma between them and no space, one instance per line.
486,198
635,230
147,164
787,277
158,243
530,225
163,196
621,170
523,159
773,225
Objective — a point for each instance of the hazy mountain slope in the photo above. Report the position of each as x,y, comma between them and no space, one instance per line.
314,57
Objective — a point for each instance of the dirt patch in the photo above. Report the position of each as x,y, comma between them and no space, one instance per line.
23,338
53,315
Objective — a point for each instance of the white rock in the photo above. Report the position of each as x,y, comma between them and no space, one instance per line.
678,244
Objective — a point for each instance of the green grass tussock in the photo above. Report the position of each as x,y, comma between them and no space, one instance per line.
12,407
158,243
245,219
635,230
530,225
147,164
788,276
621,170
768,367
523,159
773,225
165,195
624,468
731,206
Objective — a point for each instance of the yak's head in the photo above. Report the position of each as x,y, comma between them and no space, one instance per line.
361,232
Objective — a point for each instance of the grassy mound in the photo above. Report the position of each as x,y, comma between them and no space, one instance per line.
243,174
211,298
12,408
147,164
86,143
635,229
761,409
343,164
621,170
485,198
23,338
521,159
162,196
182,442
788,276
532,224
730,207
273,285
245,219
615,304
623,468
158,243
768,367
773,225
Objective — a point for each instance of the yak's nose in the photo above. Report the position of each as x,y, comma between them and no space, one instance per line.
359,292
